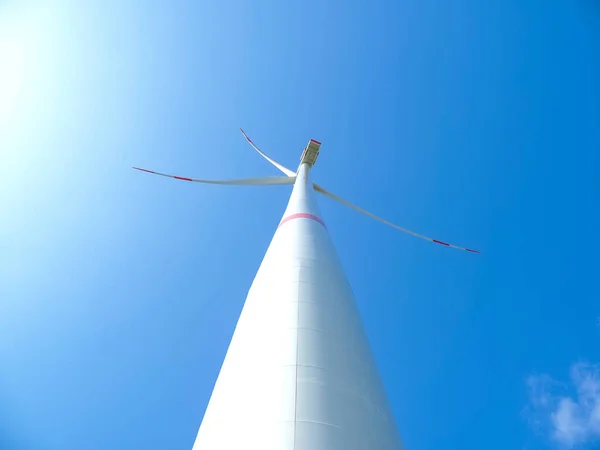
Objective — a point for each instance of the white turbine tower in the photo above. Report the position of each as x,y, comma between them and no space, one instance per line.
299,373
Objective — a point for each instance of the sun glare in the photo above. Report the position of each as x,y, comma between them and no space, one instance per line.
12,73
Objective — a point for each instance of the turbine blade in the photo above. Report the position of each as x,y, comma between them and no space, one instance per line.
263,181
373,216
288,172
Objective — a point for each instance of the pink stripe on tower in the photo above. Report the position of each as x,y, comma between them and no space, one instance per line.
303,216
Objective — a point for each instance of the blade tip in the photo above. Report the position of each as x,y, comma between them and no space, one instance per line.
143,170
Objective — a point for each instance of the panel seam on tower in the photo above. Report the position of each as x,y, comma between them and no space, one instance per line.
297,359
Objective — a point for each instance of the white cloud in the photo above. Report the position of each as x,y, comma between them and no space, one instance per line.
570,420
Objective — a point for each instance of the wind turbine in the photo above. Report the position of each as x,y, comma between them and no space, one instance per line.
299,373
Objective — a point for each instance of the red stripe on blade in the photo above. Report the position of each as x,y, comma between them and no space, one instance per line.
472,251
183,178
144,170
302,216
247,138
441,243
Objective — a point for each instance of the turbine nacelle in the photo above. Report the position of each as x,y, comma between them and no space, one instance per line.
311,153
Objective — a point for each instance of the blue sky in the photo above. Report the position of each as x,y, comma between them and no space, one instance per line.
474,122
